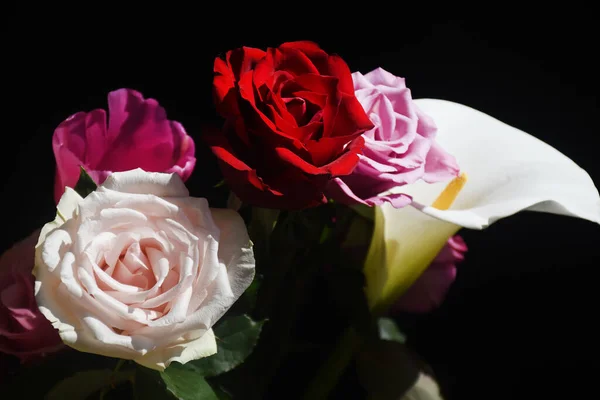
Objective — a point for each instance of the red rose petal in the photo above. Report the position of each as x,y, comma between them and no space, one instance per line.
289,157
351,118
325,85
246,87
265,129
280,107
306,46
293,61
265,73
312,51
251,189
296,106
224,92
226,155
243,60
339,69
306,132
319,100
280,79
324,150
345,164
282,124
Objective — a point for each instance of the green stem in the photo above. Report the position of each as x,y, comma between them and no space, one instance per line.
120,363
347,344
332,369
106,389
274,272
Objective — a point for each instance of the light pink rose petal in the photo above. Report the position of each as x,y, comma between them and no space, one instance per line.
398,200
399,150
138,181
427,126
381,77
440,166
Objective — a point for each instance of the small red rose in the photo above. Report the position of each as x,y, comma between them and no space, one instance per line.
292,123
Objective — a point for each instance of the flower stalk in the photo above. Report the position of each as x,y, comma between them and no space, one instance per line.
334,366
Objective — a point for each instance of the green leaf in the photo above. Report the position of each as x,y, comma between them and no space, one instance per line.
83,384
85,185
236,338
364,211
149,385
359,234
388,330
386,369
186,384
221,394
325,234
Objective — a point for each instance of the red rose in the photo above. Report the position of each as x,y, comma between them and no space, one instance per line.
292,123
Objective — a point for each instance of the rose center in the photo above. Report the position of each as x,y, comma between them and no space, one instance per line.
141,265
303,110
297,107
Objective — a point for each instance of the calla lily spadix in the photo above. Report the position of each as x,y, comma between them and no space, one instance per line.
503,171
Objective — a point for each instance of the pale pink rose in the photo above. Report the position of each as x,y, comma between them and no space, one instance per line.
24,331
136,135
139,270
429,290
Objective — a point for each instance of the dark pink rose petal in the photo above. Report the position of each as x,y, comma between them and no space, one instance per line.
138,134
24,331
429,290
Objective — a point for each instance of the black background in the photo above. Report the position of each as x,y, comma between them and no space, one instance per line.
520,320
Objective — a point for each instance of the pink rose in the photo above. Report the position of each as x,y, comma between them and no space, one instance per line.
429,291
137,135
399,150
140,270
24,331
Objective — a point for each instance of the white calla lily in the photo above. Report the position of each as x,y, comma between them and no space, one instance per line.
505,171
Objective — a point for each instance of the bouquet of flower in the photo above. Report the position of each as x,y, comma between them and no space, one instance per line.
345,196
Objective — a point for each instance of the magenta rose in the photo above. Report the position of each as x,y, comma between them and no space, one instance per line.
24,331
136,135
428,292
400,149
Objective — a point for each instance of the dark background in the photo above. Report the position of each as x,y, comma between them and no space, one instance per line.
520,322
